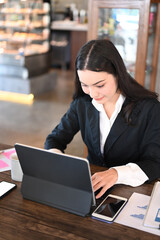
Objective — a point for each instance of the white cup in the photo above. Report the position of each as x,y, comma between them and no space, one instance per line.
16,170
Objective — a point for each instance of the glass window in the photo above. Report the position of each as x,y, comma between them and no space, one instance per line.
121,27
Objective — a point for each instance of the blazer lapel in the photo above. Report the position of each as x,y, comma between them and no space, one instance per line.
93,117
118,127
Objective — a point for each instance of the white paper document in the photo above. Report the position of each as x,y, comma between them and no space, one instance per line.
152,217
134,212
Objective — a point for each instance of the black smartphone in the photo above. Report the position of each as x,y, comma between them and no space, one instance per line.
6,187
109,208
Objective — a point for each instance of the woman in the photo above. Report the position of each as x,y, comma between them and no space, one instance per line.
119,120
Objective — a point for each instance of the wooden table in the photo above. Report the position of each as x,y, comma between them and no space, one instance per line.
22,219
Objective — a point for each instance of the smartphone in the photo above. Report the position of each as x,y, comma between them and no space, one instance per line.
110,207
6,187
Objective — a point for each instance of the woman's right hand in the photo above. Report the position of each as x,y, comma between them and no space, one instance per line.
105,180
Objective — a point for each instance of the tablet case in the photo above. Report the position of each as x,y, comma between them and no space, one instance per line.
57,180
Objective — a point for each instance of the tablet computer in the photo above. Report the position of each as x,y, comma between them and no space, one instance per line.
59,180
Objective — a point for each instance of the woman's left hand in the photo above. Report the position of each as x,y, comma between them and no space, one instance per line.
104,180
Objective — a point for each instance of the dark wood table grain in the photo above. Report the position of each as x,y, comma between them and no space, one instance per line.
22,219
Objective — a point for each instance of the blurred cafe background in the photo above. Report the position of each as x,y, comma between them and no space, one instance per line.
39,41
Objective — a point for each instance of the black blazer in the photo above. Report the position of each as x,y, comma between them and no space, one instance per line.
138,142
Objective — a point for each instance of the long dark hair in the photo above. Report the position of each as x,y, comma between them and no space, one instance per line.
102,56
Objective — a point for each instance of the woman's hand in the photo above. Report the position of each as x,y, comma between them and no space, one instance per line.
104,180
55,150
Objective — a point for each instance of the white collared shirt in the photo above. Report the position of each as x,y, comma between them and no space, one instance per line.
131,173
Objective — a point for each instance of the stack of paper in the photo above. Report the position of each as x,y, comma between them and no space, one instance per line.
142,212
